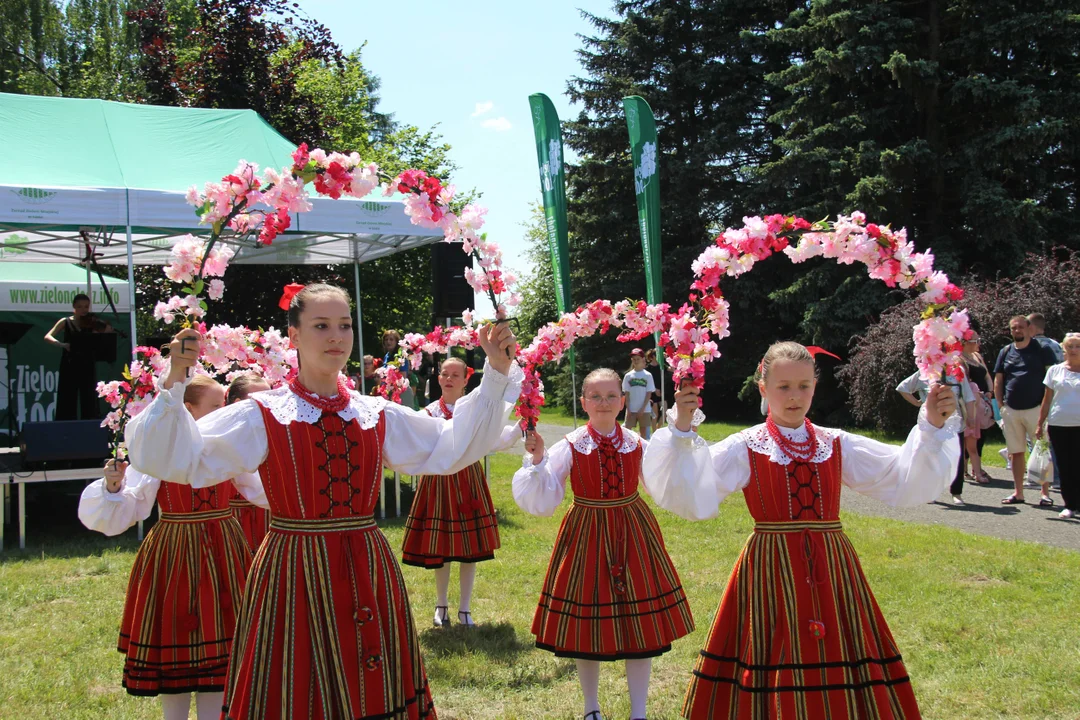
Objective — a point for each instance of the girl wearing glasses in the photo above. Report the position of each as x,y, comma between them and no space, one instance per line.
452,518
611,591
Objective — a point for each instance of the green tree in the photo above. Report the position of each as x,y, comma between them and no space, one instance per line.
953,118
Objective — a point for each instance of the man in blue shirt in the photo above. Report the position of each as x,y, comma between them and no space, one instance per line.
1018,388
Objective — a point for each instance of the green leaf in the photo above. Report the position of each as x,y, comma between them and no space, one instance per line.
202,304
198,288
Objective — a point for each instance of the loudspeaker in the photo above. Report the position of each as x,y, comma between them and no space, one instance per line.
64,440
450,292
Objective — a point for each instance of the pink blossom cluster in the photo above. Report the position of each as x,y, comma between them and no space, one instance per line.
232,203
130,396
440,340
553,340
231,351
888,255
188,260
392,381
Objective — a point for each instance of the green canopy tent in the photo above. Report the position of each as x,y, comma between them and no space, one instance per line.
90,178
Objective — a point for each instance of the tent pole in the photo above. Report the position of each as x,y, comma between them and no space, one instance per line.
359,327
131,275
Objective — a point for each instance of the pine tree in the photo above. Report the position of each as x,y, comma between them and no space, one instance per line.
702,68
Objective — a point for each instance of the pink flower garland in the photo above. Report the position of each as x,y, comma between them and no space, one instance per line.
888,255
554,339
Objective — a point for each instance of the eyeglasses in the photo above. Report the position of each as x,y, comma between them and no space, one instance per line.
603,399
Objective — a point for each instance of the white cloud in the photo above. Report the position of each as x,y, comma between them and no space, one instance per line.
499,124
483,107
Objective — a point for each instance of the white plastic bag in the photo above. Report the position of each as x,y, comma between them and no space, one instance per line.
1039,465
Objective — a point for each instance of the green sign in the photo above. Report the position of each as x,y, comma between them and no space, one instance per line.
643,149
549,155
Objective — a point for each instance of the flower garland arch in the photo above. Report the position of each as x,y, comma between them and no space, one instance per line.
247,206
689,335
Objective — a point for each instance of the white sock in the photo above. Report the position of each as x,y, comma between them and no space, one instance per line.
589,676
637,680
208,705
442,585
466,580
175,707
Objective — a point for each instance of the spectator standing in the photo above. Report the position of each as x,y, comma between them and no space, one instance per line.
1060,414
1038,325
659,401
638,387
1018,373
1038,333
981,382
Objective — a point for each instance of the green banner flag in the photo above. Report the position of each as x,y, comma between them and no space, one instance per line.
549,155
643,149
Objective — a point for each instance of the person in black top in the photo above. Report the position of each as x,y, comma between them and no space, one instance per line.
1018,387
979,374
76,393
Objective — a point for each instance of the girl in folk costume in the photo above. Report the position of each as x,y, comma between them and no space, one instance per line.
325,632
452,518
187,581
798,632
254,520
611,591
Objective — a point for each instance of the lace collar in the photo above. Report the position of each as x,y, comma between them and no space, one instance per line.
757,439
287,407
584,444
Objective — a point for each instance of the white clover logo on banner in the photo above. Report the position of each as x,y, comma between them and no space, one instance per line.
646,169
555,157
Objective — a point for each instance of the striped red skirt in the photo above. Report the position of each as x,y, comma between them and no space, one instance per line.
326,632
452,519
611,591
799,635
185,588
254,521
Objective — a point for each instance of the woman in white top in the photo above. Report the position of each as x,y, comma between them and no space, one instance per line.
1060,415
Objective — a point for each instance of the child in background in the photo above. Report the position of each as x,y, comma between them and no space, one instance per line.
638,387
188,577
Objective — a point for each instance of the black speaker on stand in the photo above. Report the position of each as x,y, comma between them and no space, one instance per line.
450,292
10,334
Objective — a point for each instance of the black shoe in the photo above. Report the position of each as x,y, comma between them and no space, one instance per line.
594,715
445,621
468,621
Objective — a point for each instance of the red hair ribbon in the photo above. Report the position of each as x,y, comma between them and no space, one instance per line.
814,350
290,292
468,373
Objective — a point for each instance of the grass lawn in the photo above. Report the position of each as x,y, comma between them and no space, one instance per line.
988,627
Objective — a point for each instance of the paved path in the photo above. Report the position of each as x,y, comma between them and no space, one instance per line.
983,513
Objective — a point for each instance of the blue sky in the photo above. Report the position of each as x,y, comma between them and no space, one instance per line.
470,68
